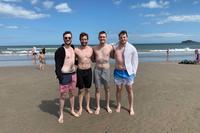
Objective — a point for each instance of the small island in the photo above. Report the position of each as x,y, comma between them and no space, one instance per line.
189,41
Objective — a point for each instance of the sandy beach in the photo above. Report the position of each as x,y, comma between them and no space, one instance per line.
166,99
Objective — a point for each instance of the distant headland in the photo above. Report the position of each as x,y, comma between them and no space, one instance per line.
189,41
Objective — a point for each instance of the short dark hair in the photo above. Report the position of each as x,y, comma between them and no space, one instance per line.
83,34
67,32
123,32
102,32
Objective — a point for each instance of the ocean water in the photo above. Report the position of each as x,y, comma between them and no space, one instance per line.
21,55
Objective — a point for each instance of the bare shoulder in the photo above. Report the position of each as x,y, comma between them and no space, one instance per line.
89,47
76,50
95,48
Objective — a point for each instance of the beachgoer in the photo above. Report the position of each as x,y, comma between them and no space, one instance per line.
102,54
34,55
197,55
167,52
41,58
43,50
84,71
66,74
126,64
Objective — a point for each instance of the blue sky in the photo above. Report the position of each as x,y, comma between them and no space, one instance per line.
32,22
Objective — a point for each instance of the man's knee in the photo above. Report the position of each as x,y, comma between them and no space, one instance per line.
87,90
129,89
97,90
81,91
63,96
107,89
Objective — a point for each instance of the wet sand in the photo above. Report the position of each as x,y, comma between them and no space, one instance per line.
166,100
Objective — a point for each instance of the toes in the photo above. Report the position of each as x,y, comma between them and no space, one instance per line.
60,120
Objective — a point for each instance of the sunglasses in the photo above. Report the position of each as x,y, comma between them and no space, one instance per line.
68,38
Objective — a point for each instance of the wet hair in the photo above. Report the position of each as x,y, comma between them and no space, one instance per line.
67,32
82,35
123,32
102,32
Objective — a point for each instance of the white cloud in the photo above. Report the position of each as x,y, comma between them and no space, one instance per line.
195,2
9,26
63,7
152,4
48,4
12,27
34,2
181,18
149,15
156,15
163,35
117,2
19,12
10,0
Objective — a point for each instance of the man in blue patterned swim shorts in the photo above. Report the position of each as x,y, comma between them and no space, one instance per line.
126,63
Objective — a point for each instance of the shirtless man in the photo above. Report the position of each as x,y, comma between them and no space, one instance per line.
126,64
102,70
84,71
65,72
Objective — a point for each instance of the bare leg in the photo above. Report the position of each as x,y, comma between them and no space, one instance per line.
87,95
118,98
107,97
62,103
81,94
130,99
71,98
97,94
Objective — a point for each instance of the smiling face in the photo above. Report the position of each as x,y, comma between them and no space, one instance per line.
102,38
123,38
84,40
67,39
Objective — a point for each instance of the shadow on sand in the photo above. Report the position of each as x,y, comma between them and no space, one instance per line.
52,106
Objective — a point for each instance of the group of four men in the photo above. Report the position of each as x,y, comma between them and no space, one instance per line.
126,63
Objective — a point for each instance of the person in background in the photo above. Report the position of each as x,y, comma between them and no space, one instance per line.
167,52
197,56
41,58
34,54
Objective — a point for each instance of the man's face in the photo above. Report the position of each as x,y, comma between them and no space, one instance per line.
84,40
123,39
102,38
67,39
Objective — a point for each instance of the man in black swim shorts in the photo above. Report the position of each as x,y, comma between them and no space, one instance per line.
84,71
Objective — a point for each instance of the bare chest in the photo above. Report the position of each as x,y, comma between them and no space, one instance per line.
84,53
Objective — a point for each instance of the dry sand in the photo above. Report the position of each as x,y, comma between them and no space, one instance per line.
167,100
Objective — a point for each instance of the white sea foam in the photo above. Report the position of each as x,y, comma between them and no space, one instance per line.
174,50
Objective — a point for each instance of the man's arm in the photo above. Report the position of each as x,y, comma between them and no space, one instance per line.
112,53
93,56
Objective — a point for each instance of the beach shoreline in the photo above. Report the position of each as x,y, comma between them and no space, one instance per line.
166,99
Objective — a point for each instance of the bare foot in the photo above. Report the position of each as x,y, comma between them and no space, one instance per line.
97,111
79,112
89,111
131,112
74,114
109,110
60,120
118,108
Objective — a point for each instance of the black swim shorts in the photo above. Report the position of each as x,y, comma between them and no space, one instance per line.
84,78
